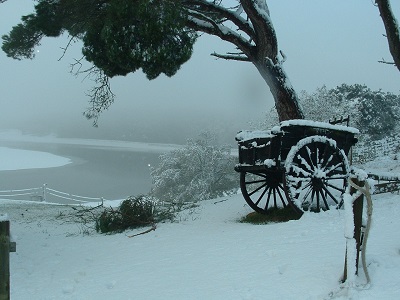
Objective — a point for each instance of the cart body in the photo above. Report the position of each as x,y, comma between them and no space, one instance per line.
293,151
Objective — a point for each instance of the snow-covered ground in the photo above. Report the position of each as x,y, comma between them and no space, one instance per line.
207,254
17,159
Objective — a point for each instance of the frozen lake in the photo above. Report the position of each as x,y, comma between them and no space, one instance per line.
95,171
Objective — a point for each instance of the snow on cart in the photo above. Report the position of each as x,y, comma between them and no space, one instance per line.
300,163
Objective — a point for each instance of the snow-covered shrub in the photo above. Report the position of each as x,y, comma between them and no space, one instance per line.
200,170
375,113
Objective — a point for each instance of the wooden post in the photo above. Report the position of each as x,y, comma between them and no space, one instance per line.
4,260
358,212
358,205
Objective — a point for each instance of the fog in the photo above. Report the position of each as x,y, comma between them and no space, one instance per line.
326,42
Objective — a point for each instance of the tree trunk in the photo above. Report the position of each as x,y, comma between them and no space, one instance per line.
392,30
286,100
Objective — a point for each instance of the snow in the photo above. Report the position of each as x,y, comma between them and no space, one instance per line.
4,217
17,159
302,122
206,254
269,163
246,135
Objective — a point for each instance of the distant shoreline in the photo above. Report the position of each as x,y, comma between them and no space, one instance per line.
18,137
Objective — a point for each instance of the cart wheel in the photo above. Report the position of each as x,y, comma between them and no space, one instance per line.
263,190
316,174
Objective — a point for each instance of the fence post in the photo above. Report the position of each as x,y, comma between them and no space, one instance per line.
357,213
44,192
4,260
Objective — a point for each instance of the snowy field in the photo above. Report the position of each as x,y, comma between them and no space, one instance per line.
207,254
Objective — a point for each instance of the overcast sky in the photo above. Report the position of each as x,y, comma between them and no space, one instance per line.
326,42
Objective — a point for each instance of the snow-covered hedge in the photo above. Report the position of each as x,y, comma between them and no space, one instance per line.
200,170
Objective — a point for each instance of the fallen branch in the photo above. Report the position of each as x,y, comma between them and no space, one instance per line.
154,227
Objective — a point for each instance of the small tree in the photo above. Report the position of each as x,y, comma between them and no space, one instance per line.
198,171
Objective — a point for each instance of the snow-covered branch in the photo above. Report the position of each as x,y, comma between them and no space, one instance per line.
228,56
203,23
221,13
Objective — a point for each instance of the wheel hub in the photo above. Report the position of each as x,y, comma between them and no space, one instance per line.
317,183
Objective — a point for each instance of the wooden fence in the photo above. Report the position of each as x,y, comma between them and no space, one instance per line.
368,150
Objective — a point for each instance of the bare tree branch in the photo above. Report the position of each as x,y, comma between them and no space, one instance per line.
72,39
101,95
383,61
392,29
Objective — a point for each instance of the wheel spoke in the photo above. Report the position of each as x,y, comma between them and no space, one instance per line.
304,200
261,196
257,189
330,194
306,186
312,195
310,157
303,162
335,187
333,168
278,189
327,158
325,200
268,198
301,171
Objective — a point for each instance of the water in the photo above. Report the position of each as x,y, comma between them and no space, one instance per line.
110,173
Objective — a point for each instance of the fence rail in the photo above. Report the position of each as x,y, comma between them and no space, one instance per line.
41,194
369,150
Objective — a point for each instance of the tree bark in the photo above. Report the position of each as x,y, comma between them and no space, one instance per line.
286,100
392,29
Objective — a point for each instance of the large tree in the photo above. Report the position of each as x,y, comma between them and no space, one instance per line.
156,36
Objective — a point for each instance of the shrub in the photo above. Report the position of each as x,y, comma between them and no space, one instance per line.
198,171
132,213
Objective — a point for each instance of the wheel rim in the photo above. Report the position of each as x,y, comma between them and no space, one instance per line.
263,190
316,174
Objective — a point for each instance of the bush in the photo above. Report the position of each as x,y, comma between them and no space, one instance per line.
197,171
132,213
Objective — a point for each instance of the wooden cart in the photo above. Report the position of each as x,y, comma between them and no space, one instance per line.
300,163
